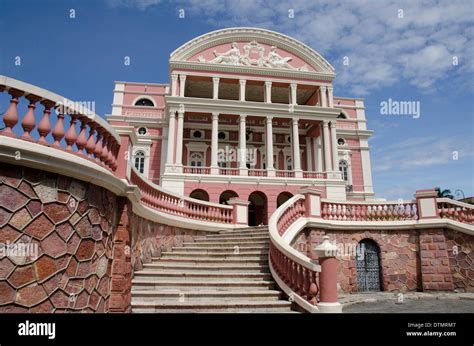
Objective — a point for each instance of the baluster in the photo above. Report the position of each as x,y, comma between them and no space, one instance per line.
71,132
29,121
105,150
10,118
81,141
58,131
44,126
90,146
313,289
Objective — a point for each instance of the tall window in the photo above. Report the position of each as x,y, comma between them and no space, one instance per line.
197,159
140,161
289,164
343,168
144,102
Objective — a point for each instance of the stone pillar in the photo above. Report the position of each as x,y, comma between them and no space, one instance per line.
242,83
322,90
269,147
240,211
327,158
295,139
171,140
174,80
426,204
293,88
182,84
214,143
318,153
312,201
330,97
268,92
309,158
215,88
242,145
179,139
335,160
326,253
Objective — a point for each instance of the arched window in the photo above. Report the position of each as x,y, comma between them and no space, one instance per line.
289,164
343,168
144,102
341,116
197,159
140,161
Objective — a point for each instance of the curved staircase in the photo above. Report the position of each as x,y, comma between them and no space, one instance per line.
223,272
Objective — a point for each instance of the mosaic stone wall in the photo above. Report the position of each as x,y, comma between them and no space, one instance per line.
82,244
56,235
460,248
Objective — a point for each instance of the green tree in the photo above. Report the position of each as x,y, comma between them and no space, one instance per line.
446,193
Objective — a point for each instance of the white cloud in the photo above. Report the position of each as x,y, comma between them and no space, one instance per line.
382,47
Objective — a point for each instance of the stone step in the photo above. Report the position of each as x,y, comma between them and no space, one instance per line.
226,249
167,295
241,254
226,237
192,285
263,260
213,306
203,275
210,267
244,230
203,244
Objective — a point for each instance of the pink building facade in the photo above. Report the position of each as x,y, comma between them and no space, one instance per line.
248,113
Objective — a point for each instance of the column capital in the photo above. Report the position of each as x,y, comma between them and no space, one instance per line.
332,123
172,112
242,81
182,77
295,121
215,79
215,116
293,85
174,76
268,83
325,123
323,87
181,113
269,119
242,117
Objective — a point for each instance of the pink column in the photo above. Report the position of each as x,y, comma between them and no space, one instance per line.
326,253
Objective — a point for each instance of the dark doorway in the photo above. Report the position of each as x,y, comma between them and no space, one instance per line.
257,209
368,266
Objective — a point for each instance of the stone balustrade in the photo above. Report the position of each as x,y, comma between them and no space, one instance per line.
63,124
454,210
153,196
369,211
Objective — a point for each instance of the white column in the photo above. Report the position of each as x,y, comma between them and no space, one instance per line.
318,153
295,139
327,156
269,147
242,83
268,92
293,87
243,145
335,161
322,90
171,141
309,161
182,84
215,88
330,97
179,139
215,144
174,80
349,172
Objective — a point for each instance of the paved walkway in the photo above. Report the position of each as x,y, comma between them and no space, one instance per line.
413,302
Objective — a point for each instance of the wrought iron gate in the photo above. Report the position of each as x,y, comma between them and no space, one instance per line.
368,266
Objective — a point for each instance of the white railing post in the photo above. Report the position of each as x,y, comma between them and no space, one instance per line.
240,211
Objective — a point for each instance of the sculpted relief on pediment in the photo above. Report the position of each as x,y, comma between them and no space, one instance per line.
253,55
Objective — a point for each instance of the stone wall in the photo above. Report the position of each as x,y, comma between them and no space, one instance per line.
82,244
61,230
410,260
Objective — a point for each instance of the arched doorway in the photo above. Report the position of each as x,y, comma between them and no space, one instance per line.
257,209
368,266
200,194
282,198
226,195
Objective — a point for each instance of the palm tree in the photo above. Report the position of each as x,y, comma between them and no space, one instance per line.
446,193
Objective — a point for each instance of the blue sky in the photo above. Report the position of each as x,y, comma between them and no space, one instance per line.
402,50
